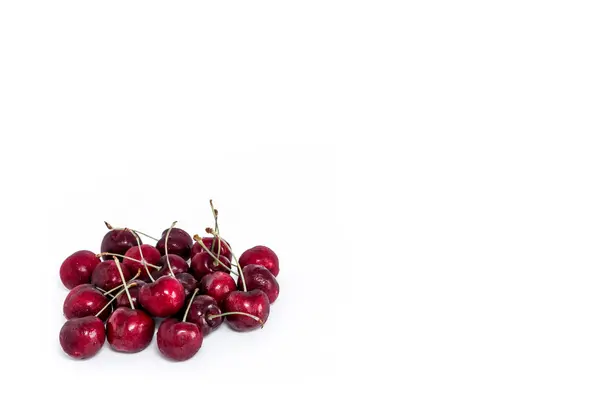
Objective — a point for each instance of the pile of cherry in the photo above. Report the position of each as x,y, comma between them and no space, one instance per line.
135,286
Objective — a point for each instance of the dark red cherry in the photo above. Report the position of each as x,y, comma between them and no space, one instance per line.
178,265
151,255
177,340
82,337
258,277
254,302
106,275
180,243
208,242
188,282
117,241
261,255
128,330
217,285
85,300
134,291
201,308
203,263
162,298
78,268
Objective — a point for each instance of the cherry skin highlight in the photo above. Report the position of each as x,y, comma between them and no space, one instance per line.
82,337
134,291
177,340
117,241
258,277
77,268
162,298
208,242
203,264
217,285
83,301
254,302
151,255
188,282
261,255
106,275
180,243
201,308
178,265
129,331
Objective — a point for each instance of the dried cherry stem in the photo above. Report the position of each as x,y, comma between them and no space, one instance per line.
167,248
115,297
215,214
137,239
217,261
189,305
125,257
121,285
109,226
124,283
254,317
240,273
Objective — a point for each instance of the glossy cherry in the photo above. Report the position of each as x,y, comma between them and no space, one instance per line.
203,264
180,243
178,340
188,282
122,299
178,265
162,298
208,242
151,256
82,337
201,308
77,268
128,330
85,300
258,277
106,275
117,241
255,302
261,255
217,285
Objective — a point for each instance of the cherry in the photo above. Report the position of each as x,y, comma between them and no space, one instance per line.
85,300
123,301
162,298
203,263
179,242
77,268
201,308
178,264
82,337
261,255
188,282
208,243
106,275
117,241
245,311
177,340
217,285
151,256
258,277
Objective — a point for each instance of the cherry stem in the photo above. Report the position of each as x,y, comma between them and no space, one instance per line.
254,317
167,248
198,239
124,283
189,305
121,285
109,226
126,258
114,298
137,239
215,214
241,274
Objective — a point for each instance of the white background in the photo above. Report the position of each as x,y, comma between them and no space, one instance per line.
428,173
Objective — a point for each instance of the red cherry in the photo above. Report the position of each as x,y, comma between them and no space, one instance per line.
208,242
178,265
178,340
151,256
258,277
128,330
117,241
134,291
78,268
201,308
203,263
261,255
188,282
106,275
255,303
85,300
217,285
180,243
82,337
162,298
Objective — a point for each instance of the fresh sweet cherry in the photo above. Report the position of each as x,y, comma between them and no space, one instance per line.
208,243
82,337
179,340
258,277
217,285
162,298
179,242
106,275
245,311
178,265
261,255
188,282
203,264
134,292
77,268
201,308
117,241
85,300
151,256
